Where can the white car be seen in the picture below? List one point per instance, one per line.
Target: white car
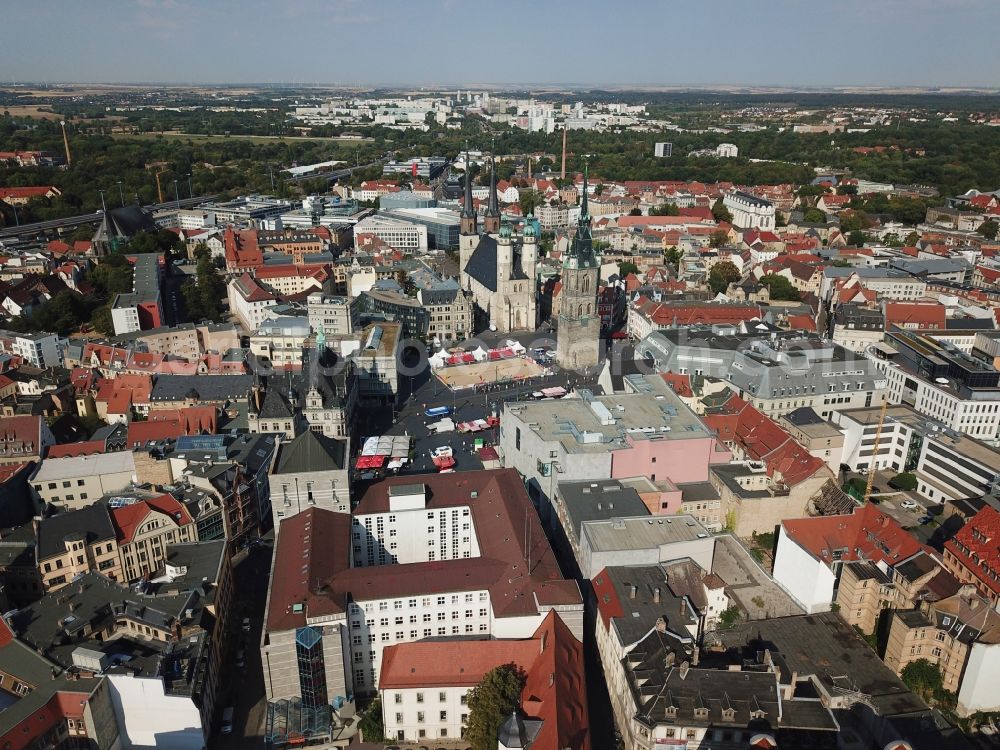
(442, 451)
(908, 505)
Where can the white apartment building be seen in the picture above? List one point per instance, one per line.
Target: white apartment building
(948, 464)
(77, 481)
(397, 233)
(454, 564)
(749, 211)
(332, 313)
(281, 340)
(249, 302)
(39, 349)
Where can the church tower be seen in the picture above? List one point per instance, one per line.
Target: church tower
(578, 341)
(491, 220)
(468, 229)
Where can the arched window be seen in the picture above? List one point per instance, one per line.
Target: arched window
(586, 283)
(579, 311)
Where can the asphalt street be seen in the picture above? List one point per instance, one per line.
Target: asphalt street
(243, 689)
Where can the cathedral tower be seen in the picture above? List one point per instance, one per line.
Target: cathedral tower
(578, 341)
(468, 226)
(491, 220)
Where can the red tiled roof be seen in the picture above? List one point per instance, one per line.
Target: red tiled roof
(915, 314)
(128, 518)
(762, 439)
(420, 664)
(24, 428)
(690, 313)
(865, 534)
(39, 191)
(680, 384)
(976, 547)
(85, 448)
(9, 471)
(498, 512)
(802, 322)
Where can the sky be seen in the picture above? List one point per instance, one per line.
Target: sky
(794, 43)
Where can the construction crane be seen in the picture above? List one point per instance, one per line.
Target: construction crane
(69, 160)
(159, 188)
(874, 465)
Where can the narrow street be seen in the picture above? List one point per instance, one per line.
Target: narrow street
(246, 686)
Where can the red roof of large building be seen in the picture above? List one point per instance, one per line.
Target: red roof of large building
(39, 191)
(927, 315)
(762, 439)
(128, 518)
(317, 573)
(242, 250)
(692, 313)
(865, 534)
(976, 547)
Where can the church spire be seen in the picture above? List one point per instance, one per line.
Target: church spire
(581, 251)
(468, 220)
(493, 209)
(468, 210)
(584, 215)
(491, 221)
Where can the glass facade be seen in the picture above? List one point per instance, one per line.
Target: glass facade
(312, 669)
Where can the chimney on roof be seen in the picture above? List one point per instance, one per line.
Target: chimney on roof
(685, 666)
(684, 606)
(632, 591)
(656, 595)
(661, 625)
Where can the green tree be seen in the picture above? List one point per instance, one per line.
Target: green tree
(718, 238)
(780, 287)
(530, 199)
(989, 229)
(720, 212)
(912, 239)
(729, 617)
(371, 724)
(635, 212)
(904, 481)
(491, 702)
(853, 221)
(722, 275)
(625, 268)
(857, 238)
(672, 257)
(665, 209)
(814, 216)
(923, 678)
(101, 320)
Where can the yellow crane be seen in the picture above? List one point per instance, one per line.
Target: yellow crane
(159, 188)
(874, 464)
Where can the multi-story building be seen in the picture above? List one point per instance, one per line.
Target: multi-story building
(886, 283)
(425, 696)
(772, 476)
(948, 465)
(24, 438)
(449, 313)
(456, 555)
(76, 481)
(75, 542)
(142, 308)
(817, 435)
(398, 233)
(442, 224)
(249, 301)
(287, 280)
(777, 374)
(973, 554)
(279, 340)
(961, 635)
(646, 315)
(648, 432)
(395, 306)
(929, 373)
(145, 528)
(857, 327)
(377, 360)
(311, 472)
(43, 350)
(332, 313)
(863, 562)
(749, 211)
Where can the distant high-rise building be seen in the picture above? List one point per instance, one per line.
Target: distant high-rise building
(663, 150)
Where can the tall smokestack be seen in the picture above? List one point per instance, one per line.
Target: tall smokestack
(65, 142)
(562, 173)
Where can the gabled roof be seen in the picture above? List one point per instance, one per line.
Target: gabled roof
(128, 518)
(866, 534)
(976, 546)
(309, 452)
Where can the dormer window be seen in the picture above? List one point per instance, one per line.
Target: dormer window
(728, 714)
(671, 712)
(701, 713)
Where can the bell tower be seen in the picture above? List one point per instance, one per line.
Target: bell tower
(491, 220)
(468, 225)
(578, 342)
